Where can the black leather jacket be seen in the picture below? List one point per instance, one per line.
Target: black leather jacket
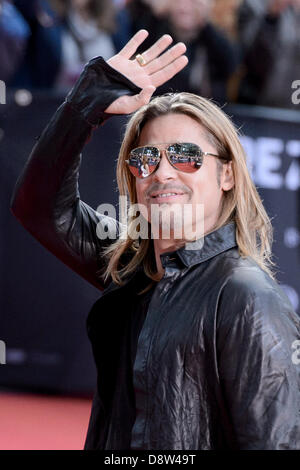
(214, 367)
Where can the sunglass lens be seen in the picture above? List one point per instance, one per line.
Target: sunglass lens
(185, 157)
(143, 161)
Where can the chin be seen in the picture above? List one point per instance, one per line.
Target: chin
(167, 221)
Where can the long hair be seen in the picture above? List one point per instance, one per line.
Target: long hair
(241, 204)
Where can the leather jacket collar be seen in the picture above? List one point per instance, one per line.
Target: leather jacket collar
(204, 248)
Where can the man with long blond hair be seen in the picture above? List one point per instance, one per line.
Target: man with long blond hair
(195, 343)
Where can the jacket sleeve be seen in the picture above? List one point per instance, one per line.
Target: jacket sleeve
(46, 198)
(258, 374)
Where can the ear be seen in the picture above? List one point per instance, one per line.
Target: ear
(227, 181)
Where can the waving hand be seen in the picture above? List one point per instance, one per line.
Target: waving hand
(159, 67)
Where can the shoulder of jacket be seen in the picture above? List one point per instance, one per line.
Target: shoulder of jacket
(253, 311)
(249, 292)
(242, 273)
(246, 275)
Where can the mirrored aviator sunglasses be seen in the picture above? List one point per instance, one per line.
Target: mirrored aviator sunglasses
(186, 157)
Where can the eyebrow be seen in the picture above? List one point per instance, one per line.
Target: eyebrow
(168, 143)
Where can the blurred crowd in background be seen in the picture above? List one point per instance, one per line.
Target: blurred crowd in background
(240, 51)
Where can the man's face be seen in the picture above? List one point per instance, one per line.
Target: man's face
(204, 187)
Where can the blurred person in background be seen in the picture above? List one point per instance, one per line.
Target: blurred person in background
(42, 58)
(14, 34)
(146, 12)
(224, 16)
(269, 33)
(123, 29)
(87, 32)
(212, 57)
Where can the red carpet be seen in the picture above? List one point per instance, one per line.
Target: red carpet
(39, 422)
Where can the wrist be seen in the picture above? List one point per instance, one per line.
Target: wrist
(97, 87)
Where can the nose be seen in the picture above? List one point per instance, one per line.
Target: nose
(165, 171)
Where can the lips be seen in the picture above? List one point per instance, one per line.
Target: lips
(169, 193)
(162, 194)
(166, 197)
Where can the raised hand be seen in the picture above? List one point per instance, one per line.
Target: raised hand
(159, 67)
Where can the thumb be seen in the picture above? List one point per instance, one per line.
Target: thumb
(144, 96)
(129, 104)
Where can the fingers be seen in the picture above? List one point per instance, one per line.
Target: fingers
(130, 48)
(157, 48)
(162, 76)
(166, 58)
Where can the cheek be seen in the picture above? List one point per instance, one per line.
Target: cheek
(205, 187)
(141, 187)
